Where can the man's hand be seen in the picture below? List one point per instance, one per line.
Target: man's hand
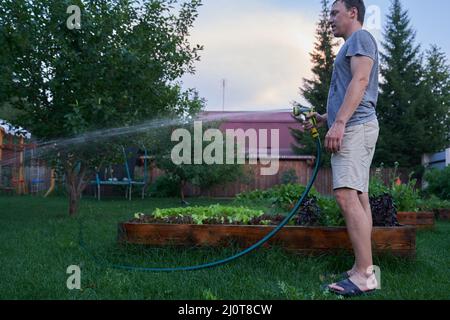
(321, 120)
(334, 137)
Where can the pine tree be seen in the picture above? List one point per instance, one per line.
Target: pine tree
(315, 90)
(400, 104)
(437, 79)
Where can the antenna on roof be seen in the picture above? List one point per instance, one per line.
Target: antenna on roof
(224, 83)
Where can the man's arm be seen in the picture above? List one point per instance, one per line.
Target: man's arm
(361, 67)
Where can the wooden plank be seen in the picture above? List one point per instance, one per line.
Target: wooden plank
(422, 220)
(400, 241)
(425, 219)
(443, 214)
(407, 218)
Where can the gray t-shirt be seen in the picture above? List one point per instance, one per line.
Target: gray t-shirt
(360, 43)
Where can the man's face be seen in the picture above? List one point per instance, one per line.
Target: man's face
(341, 19)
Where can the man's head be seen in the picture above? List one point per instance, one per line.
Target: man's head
(345, 14)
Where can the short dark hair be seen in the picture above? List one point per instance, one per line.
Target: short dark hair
(358, 4)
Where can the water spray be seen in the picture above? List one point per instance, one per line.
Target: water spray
(301, 114)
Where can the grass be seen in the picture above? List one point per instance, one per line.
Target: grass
(38, 241)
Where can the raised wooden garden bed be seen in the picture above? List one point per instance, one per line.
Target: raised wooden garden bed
(422, 220)
(399, 241)
(443, 214)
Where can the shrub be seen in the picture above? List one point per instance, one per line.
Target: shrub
(289, 177)
(165, 186)
(433, 203)
(438, 183)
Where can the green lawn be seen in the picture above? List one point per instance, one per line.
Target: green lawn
(38, 241)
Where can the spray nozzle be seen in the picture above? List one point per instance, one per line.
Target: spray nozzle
(301, 112)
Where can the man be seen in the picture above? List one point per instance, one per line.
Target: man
(352, 136)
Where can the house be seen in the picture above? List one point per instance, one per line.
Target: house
(280, 120)
(288, 162)
(12, 148)
(439, 160)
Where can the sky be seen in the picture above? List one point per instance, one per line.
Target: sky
(261, 47)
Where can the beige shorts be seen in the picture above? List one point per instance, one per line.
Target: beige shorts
(351, 165)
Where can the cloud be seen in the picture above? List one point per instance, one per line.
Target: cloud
(260, 49)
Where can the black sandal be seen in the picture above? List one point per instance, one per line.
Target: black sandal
(350, 289)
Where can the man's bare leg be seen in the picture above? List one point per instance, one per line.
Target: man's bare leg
(365, 202)
(356, 211)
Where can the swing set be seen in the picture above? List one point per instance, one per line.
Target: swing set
(114, 176)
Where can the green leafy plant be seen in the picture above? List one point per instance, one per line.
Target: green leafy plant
(377, 187)
(330, 212)
(406, 197)
(200, 215)
(282, 197)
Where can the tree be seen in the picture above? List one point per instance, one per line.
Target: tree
(316, 90)
(121, 67)
(437, 80)
(204, 175)
(401, 108)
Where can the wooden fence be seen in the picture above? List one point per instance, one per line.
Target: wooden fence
(38, 179)
(324, 181)
(303, 171)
